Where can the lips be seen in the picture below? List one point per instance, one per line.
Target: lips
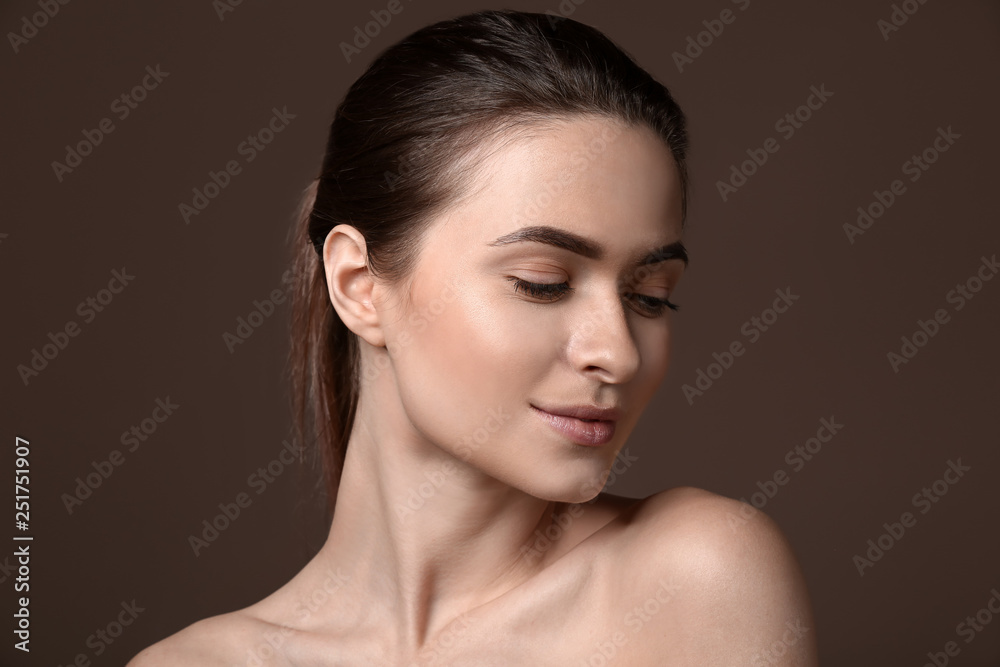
(584, 412)
(584, 430)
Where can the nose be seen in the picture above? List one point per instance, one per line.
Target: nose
(601, 341)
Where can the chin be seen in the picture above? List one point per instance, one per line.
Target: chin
(569, 487)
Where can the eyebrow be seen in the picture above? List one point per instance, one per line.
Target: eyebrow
(561, 238)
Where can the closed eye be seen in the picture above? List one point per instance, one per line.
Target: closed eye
(652, 306)
(541, 290)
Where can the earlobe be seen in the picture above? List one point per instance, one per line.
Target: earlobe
(350, 284)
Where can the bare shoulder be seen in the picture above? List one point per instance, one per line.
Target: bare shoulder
(218, 640)
(727, 572)
(688, 517)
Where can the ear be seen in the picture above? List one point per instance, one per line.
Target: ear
(351, 285)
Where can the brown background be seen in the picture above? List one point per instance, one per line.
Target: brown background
(825, 357)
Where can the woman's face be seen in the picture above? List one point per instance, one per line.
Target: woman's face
(475, 354)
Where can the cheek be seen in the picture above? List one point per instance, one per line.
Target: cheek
(654, 345)
(654, 348)
(464, 362)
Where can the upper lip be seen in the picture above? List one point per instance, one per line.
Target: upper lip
(585, 412)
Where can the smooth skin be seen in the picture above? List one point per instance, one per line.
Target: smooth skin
(468, 531)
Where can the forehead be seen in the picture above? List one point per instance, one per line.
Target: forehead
(616, 184)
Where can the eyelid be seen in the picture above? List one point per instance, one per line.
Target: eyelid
(552, 292)
(545, 291)
(671, 272)
(547, 272)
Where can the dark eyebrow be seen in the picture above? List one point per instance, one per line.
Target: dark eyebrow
(580, 245)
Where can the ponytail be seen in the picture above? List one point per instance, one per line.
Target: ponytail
(323, 358)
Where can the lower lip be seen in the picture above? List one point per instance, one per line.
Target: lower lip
(588, 434)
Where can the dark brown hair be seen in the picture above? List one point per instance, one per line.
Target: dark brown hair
(399, 152)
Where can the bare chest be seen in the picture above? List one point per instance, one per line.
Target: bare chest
(574, 619)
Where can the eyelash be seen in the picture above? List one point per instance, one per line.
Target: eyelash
(552, 291)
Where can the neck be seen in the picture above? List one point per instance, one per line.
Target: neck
(422, 536)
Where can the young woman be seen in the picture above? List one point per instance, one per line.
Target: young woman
(486, 263)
